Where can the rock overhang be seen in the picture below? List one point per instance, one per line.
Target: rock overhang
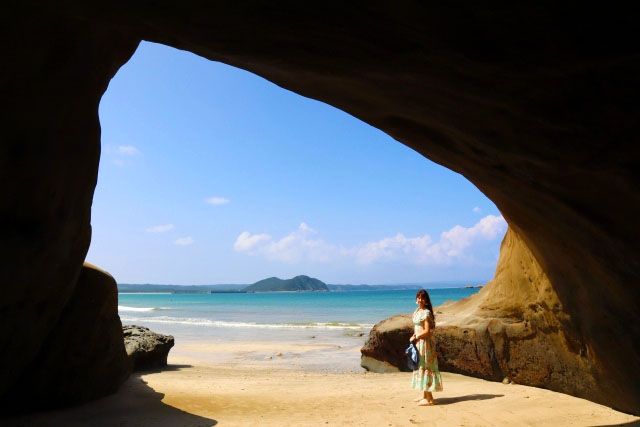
(534, 106)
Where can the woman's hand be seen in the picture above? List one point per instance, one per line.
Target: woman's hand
(413, 338)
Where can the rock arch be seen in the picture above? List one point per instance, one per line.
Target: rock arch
(535, 105)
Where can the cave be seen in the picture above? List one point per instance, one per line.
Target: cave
(535, 105)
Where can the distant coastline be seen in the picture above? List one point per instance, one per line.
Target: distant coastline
(149, 288)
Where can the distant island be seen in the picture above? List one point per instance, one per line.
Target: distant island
(274, 284)
(298, 283)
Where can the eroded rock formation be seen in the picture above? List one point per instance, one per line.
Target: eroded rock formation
(534, 105)
(513, 328)
(516, 327)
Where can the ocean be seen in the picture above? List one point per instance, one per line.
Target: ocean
(318, 331)
(208, 314)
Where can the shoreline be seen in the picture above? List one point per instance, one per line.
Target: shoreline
(207, 383)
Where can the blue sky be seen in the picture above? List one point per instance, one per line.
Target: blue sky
(210, 174)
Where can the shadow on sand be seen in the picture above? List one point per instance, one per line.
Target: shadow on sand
(629, 424)
(451, 400)
(170, 367)
(135, 404)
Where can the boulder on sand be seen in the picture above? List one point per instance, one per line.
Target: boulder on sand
(83, 357)
(384, 349)
(145, 348)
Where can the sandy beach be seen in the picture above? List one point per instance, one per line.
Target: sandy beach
(209, 384)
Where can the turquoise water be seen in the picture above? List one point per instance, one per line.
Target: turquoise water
(348, 310)
(319, 331)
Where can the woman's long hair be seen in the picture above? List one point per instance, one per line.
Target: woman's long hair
(428, 306)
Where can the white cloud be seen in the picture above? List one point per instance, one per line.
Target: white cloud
(455, 245)
(299, 245)
(393, 248)
(162, 228)
(127, 150)
(246, 241)
(304, 228)
(184, 241)
(216, 201)
(477, 209)
(294, 247)
(120, 155)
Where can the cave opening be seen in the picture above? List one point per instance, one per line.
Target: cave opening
(534, 106)
(210, 175)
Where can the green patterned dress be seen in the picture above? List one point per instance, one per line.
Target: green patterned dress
(423, 379)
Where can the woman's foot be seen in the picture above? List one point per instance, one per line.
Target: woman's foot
(418, 399)
(425, 402)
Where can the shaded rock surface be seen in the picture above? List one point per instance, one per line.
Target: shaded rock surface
(48, 169)
(536, 105)
(145, 348)
(84, 356)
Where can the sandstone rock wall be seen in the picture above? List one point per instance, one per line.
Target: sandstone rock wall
(516, 327)
(513, 328)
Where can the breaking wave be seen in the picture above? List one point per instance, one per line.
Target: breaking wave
(226, 324)
(124, 308)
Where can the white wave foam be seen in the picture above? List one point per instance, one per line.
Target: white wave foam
(145, 293)
(136, 309)
(225, 324)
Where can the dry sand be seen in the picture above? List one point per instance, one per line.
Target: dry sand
(197, 391)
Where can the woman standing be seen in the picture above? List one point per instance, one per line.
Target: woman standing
(427, 376)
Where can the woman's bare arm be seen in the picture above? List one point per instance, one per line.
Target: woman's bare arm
(426, 329)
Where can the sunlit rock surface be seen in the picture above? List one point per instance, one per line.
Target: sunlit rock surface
(516, 328)
(511, 329)
(536, 106)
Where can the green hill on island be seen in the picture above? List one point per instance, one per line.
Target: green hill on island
(298, 283)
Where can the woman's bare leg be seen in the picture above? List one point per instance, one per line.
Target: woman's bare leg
(429, 396)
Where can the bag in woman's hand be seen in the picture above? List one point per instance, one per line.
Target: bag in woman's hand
(412, 356)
